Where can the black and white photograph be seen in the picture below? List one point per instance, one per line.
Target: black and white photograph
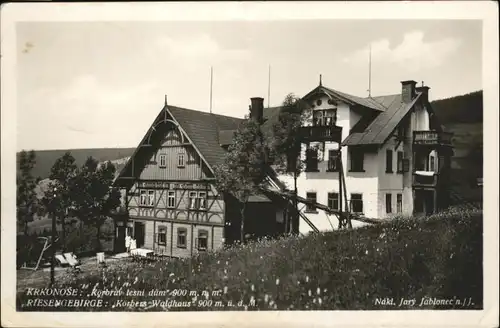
(250, 164)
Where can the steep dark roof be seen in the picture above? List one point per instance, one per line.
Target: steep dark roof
(203, 129)
(383, 125)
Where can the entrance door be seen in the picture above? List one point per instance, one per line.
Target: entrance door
(120, 239)
(139, 233)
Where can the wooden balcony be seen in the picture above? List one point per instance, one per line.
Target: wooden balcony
(425, 181)
(321, 133)
(432, 138)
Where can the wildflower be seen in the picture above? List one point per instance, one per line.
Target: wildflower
(225, 289)
(318, 291)
(309, 292)
(320, 300)
(278, 281)
(252, 288)
(239, 273)
(171, 275)
(266, 298)
(307, 278)
(366, 252)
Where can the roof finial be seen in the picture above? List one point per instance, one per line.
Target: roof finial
(165, 99)
(320, 82)
(422, 83)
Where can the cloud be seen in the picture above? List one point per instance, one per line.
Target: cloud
(413, 53)
(195, 48)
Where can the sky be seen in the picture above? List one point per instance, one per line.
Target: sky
(101, 84)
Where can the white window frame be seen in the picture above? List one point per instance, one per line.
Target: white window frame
(205, 236)
(143, 200)
(181, 160)
(147, 198)
(193, 199)
(151, 198)
(202, 196)
(162, 230)
(163, 160)
(171, 197)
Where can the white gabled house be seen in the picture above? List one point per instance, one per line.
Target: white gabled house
(395, 156)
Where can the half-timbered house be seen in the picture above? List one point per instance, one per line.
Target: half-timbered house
(172, 205)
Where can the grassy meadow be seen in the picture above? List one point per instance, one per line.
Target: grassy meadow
(437, 257)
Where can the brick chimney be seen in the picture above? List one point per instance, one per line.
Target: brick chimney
(257, 109)
(424, 90)
(408, 91)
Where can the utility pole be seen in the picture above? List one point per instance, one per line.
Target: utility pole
(54, 233)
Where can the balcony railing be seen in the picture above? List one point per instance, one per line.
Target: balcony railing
(321, 133)
(421, 180)
(432, 138)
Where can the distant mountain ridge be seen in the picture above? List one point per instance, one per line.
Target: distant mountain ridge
(45, 159)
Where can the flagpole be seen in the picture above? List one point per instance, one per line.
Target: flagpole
(269, 87)
(211, 86)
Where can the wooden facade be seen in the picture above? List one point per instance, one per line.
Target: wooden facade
(172, 205)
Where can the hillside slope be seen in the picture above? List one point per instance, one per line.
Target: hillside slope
(46, 158)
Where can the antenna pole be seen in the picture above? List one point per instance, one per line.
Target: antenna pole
(211, 85)
(370, 73)
(269, 87)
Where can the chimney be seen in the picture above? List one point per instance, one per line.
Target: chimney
(408, 91)
(424, 90)
(257, 109)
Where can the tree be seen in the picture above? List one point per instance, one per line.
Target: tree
(27, 202)
(95, 197)
(244, 166)
(286, 143)
(59, 196)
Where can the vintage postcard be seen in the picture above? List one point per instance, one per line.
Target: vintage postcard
(250, 164)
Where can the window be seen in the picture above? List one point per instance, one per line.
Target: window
(333, 200)
(163, 160)
(171, 199)
(192, 200)
(388, 161)
(311, 197)
(357, 159)
(202, 240)
(400, 162)
(330, 117)
(202, 200)
(318, 118)
(431, 163)
(399, 203)
(147, 198)
(144, 198)
(162, 236)
(181, 237)
(388, 203)
(181, 160)
(324, 117)
(311, 160)
(151, 197)
(357, 203)
(333, 160)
